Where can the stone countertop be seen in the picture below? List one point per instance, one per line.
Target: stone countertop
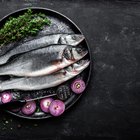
(110, 109)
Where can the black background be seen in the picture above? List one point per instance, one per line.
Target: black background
(110, 108)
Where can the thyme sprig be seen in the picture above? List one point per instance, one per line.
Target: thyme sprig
(24, 25)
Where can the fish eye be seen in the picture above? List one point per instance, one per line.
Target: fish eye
(73, 37)
(79, 50)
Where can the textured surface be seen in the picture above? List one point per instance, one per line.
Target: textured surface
(110, 108)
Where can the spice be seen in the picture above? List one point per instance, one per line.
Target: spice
(19, 126)
(35, 125)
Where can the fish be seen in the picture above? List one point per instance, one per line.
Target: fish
(69, 39)
(47, 81)
(43, 61)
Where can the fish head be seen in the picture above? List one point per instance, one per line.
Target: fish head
(72, 39)
(74, 53)
(78, 67)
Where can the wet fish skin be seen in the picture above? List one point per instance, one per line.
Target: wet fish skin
(69, 39)
(43, 61)
(6, 48)
(43, 82)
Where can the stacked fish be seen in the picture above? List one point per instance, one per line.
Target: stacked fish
(43, 63)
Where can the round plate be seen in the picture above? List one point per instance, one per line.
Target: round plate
(59, 24)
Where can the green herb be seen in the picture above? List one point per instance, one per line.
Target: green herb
(38, 110)
(6, 122)
(27, 24)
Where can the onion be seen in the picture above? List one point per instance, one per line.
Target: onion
(29, 108)
(78, 86)
(57, 107)
(45, 104)
(6, 97)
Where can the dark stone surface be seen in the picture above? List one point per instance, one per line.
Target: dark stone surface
(110, 109)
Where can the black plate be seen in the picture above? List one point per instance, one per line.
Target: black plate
(62, 24)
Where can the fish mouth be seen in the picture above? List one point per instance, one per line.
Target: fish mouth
(78, 67)
(81, 65)
(71, 39)
(84, 53)
(76, 39)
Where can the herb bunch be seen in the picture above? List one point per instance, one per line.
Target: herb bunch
(22, 26)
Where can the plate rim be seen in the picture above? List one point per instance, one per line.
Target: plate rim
(89, 51)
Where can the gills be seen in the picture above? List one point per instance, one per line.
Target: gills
(69, 39)
(43, 61)
(43, 82)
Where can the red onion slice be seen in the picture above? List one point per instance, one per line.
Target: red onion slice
(6, 97)
(45, 104)
(57, 108)
(29, 108)
(78, 86)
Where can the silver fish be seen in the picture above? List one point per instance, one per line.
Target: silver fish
(43, 61)
(69, 39)
(47, 81)
(5, 48)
